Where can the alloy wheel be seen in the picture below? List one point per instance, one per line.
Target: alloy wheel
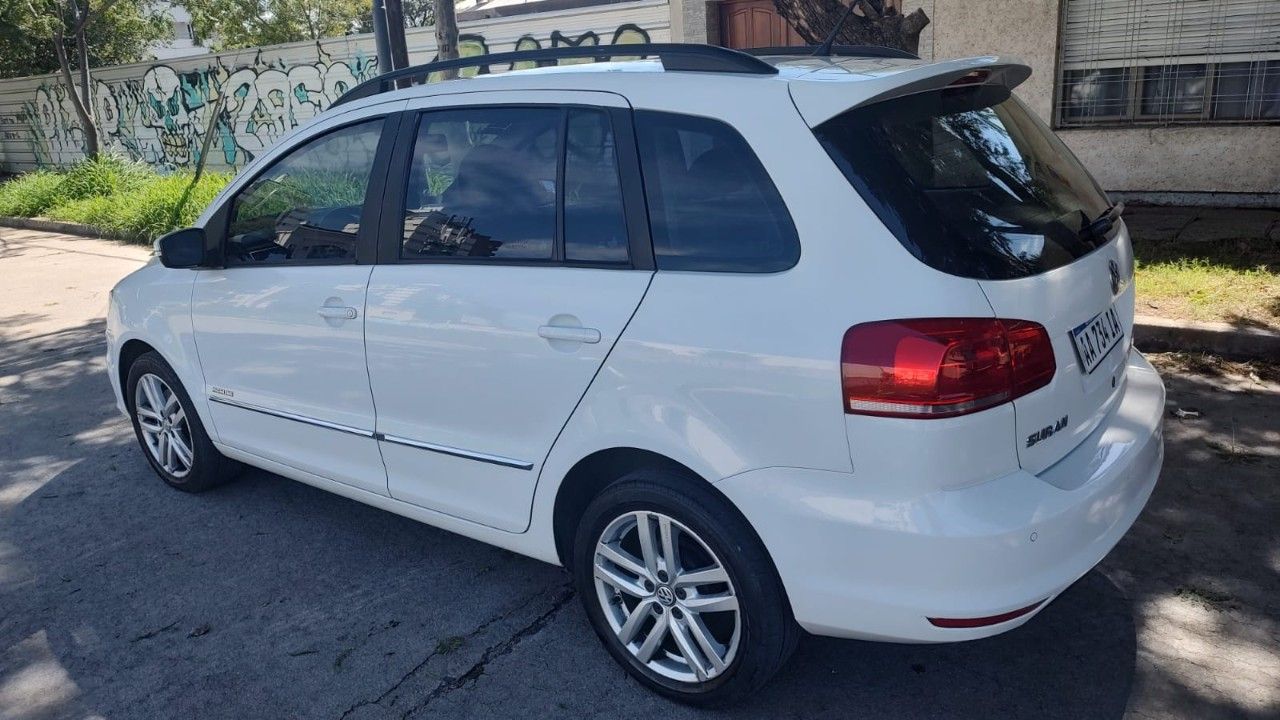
(163, 422)
(667, 597)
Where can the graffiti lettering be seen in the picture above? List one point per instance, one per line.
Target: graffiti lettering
(161, 117)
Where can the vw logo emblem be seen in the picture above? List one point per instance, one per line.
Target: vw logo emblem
(665, 596)
(1114, 267)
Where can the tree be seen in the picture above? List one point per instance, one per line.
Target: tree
(230, 24)
(873, 22)
(119, 33)
(67, 23)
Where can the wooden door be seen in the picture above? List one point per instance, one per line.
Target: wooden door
(754, 23)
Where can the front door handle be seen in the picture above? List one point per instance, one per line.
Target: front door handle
(332, 312)
(571, 334)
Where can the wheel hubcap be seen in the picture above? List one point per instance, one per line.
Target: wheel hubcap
(164, 426)
(667, 597)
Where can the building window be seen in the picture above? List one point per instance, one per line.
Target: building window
(1132, 62)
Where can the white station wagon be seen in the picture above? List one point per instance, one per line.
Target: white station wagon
(751, 344)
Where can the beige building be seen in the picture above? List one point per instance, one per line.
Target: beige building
(1165, 100)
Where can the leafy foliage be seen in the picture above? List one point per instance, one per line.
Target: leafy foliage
(231, 24)
(227, 24)
(122, 34)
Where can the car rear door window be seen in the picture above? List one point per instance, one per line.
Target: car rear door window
(483, 184)
(712, 206)
(595, 227)
(306, 207)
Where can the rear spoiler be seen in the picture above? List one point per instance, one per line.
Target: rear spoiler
(826, 92)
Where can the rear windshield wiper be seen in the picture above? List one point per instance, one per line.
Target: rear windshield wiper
(1101, 225)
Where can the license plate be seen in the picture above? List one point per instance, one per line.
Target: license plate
(1094, 339)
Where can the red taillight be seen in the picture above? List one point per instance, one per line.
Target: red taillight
(942, 367)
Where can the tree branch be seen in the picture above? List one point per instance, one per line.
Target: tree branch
(84, 19)
(869, 11)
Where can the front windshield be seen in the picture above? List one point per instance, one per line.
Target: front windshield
(969, 181)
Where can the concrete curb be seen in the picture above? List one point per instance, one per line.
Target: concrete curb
(1230, 341)
(57, 226)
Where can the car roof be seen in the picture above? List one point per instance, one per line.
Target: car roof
(821, 86)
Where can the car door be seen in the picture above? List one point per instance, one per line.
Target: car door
(509, 264)
(280, 327)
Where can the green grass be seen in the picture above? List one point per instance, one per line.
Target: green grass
(147, 210)
(30, 195)
(107, 175)
(1234, 281)
(120, 198)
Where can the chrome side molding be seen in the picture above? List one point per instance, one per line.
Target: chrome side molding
(458, 452)
(223, 400)
(394, 439)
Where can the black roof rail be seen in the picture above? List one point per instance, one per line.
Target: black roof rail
(674, 56)
(841, 50)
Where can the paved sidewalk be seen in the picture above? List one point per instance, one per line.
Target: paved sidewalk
(120, 598)
(57, 282)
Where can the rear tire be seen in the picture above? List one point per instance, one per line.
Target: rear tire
(169, 430)
(721, 614)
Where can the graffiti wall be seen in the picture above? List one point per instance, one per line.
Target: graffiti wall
(160, 113)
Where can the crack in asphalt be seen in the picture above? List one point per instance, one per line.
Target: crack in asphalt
(493, 652)
(537, 624)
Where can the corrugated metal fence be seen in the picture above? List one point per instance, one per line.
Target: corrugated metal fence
(159, 112)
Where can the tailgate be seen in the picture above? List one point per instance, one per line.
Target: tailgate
(1053, 420)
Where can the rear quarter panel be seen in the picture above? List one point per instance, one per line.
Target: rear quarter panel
(728, 372)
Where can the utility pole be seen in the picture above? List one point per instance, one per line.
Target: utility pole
(446, 34)
(380, 37)
(395, 34)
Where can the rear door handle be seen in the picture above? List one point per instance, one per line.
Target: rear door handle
(332, 312)
(571, 334)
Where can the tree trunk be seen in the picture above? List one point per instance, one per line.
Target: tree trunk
(446, 35)
(92, 148)
(87, 125)
(873, 22)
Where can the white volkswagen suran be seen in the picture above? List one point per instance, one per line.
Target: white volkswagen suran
(752, 344)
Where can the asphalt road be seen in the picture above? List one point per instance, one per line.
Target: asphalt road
(120, 598)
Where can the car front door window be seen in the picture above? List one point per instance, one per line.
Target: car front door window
(306, 207)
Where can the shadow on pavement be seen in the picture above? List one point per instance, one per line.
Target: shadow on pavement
(266, 598)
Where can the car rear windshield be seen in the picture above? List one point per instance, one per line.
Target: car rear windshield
(969, 181)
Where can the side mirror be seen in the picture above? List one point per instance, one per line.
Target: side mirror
(182, 248)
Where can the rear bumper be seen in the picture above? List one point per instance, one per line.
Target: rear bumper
(858, 561)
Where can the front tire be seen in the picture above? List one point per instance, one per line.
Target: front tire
(169, 431)
(680, 589)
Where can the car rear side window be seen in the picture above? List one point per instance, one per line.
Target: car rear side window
(712, 206)
(969, 181)
(306, 207)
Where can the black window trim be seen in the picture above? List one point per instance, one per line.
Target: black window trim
(217, 230)
(640, 247)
